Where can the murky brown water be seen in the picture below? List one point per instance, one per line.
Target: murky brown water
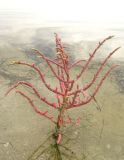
(100, 135)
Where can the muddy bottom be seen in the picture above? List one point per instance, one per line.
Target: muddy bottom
(100, 136)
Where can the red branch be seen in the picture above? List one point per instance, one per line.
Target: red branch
(41, 76)
(52, 69)
(92, 56)
(100, 69)
(95, 92)
(46, 58)
(96, 74)
(76, 63)
(45, 114)
(35, 91)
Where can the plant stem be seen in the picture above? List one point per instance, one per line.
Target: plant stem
(56, 145)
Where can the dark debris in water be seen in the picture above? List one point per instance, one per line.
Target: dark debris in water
(119, 77)
(13, 73)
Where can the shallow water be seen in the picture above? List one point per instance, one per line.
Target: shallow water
(100, 135)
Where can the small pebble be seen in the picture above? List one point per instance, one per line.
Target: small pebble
(6, 144)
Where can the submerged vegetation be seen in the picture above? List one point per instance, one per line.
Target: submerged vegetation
(68, 94)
